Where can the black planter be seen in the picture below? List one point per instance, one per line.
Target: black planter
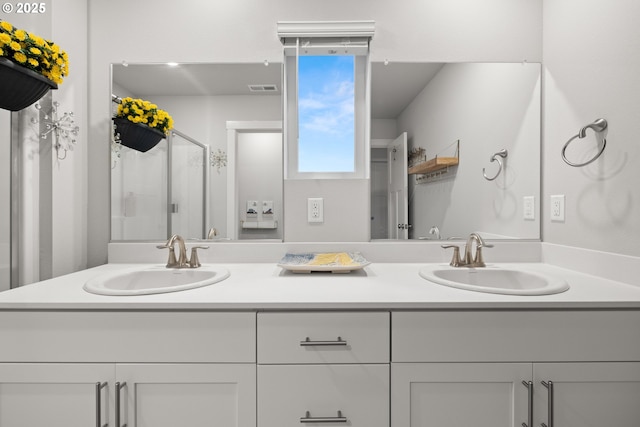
(20, 86)
(137, 135)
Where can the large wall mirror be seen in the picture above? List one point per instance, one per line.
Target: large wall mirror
(181, 185)
(468, 111)
(452, 120)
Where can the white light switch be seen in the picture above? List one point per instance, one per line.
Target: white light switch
(557, 208)
(529, 207)
(315, 210)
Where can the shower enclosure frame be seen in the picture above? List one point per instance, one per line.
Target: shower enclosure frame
(205, 176)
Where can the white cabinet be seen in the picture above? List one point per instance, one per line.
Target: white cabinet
(353, 395)
(459, 394)
(195, 395)
(323, 368)
(587, 394)
(323, 337)
(594, 380)
(174, 368)
(55, 395)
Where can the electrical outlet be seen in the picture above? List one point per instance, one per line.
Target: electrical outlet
(557, 208)
(315, 210)
(529, 207)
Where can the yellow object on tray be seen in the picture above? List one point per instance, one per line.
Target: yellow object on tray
(336, 258)
(334, 262)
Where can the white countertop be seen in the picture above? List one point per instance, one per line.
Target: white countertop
(265, 286)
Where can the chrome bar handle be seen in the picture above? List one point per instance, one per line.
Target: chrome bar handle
(529, 386)
(549, 386)
(309, 419)
(119, 387)
(307, 342)
(99, 387)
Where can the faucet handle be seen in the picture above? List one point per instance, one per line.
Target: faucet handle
(172, 262)
(478, 261)
(194, 262)
(455, 260)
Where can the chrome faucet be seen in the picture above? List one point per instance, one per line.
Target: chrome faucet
(469, 260)
(182, 261)
(435, 231)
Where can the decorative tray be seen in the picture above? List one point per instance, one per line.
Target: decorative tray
(335, 262)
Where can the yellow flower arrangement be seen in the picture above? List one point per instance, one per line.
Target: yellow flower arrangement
(33, 52)
(140, 111)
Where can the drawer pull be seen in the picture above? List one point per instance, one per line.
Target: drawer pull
(529, 386)
(549, 386)
(119, 387)
(309, 419)
(308, 342)
(99, 387)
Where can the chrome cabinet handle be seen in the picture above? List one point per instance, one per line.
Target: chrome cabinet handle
(308, 342)
(549, 386)
(309, 419)
(99, 387)
(119, 387)
(529, 386)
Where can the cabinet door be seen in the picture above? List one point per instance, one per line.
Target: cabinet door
(54, 395)
(587, 394)
(299, 395)
(459, 394)
(194, 395)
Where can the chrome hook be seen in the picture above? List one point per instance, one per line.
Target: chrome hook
(496, 158)
(598, 126)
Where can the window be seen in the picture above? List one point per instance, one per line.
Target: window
(326, 99)
(326, 114)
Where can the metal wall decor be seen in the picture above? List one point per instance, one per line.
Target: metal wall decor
(218, 159)
(62, 128)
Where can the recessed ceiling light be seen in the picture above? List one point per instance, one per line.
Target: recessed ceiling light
(172, 64)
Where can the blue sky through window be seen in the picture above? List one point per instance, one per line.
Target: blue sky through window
(326, 123)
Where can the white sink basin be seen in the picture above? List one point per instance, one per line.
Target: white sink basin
(155, 280)
(495, 279)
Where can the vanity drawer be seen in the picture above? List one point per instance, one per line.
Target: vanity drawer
(291, 396)
(516, 336)
(330, 337)
(127, 336)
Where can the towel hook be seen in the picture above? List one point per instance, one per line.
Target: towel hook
(598, 126)
(496, 158)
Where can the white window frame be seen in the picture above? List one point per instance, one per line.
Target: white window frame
(321, 38)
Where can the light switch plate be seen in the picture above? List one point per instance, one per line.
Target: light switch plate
(557, 208)
(529, 207)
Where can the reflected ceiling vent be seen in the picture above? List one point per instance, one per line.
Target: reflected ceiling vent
(263, 88)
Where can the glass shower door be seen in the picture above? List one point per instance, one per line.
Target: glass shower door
(188, 187)
(139, 193)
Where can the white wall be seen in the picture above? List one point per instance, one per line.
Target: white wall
(592, 64)
(70, 176)
(488, 107)
(406, 30)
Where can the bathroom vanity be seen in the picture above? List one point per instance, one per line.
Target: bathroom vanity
(378, 347)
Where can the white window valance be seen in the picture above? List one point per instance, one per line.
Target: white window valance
(326, 37)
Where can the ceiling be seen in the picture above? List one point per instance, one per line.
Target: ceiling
(393, 86)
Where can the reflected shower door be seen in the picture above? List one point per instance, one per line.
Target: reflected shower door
(188, 165)
(139, 193)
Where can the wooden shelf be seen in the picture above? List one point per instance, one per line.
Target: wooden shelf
(433, 165)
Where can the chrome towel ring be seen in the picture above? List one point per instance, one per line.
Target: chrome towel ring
(496, 158)
(599, 126)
